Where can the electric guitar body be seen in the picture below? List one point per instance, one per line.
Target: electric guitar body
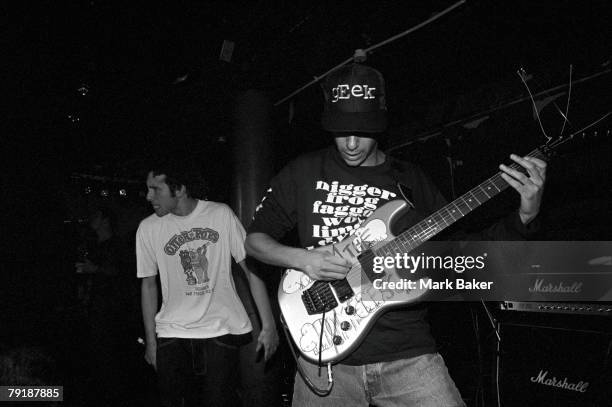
(349, 306)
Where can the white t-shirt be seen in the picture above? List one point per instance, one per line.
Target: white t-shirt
(192, 254)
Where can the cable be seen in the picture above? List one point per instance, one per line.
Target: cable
(496, 328)
(497, 360)
(321, 340)
(491, 320)
(359, 53)
(436, 132)
(300, 369)
(416, 27)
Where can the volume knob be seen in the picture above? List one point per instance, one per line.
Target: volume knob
(337, 340)
(350, 310)
(345, 325)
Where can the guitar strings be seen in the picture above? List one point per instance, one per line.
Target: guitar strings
(521, 74)
(356, 271)
(554, 103)
(569, 95)
(419, 237)
(427, 231)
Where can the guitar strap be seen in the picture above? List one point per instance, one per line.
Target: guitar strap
(397, 173)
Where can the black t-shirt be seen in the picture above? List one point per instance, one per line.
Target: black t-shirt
(327, 200)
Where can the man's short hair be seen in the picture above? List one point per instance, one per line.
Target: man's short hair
(181, 173)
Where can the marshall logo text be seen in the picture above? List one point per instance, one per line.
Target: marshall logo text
(541, 287)
(562, 384)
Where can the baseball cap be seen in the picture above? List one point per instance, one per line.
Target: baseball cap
(354, 100)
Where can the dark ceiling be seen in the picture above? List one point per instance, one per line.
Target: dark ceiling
(111, 81)
(97, 86)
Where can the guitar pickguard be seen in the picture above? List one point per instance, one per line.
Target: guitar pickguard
(294, 281)
(371, 233)
(349, 306)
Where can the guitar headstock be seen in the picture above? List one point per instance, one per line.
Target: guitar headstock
(552, 146)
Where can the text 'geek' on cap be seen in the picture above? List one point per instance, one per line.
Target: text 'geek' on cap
(354, 100)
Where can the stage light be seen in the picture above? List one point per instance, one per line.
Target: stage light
(83, 90)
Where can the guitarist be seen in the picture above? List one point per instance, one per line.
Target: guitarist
(331, 191)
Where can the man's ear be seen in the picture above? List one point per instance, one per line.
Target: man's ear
(181, 192)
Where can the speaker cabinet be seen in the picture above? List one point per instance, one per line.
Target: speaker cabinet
(556, 366)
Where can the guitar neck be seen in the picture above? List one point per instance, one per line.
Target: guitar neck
(449, 214)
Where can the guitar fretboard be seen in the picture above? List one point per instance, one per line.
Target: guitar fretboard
(449, 214)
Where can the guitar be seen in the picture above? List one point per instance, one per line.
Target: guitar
(345, 310)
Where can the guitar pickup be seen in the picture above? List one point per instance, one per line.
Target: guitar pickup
(343, 289)
(319, 298)
(366, 260)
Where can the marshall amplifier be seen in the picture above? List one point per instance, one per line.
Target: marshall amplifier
(559, 364)
(596, 309)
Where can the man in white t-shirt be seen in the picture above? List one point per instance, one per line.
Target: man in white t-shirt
(193, 340)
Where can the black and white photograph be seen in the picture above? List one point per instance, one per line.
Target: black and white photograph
(344, 203)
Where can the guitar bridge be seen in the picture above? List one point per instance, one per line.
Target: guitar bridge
(319, 298)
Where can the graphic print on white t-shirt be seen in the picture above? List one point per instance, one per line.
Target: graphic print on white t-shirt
(194, 261)
(195, 265)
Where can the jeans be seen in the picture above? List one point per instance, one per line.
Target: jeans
(197, 372)
(422, 381)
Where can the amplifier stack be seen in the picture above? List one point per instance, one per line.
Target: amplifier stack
(554, 354)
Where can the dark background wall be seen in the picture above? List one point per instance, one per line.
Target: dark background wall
(96, 88)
